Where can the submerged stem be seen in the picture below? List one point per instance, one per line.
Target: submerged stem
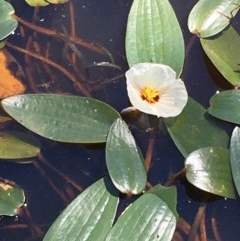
(149, 153)
(175, 177)
(80, 87)
(197, 221)
(54, 33)
(61, 174)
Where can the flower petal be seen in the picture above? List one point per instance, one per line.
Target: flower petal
(154, 75)
(172, 92)
(172, 101)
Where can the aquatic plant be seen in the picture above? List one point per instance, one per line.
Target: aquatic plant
(154, 42)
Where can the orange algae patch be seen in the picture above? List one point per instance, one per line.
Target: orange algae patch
(10, 83)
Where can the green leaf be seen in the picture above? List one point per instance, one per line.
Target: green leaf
(124, 161)
(225, 106)
(7, 23)
(208, 18)
(224, 52)
(58, 1)
(42, 3)
(18, 145)
(88, 217)
(35, 3)
(154, 35)
(11, 198)
(147, 219)
(235, 157)
(194, 129)
(209, 169)
(61, 117)
(168, 195)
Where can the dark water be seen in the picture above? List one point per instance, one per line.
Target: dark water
(104, 22)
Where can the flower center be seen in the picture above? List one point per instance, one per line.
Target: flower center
(149, 94)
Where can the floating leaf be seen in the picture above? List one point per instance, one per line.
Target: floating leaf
(11, 198)
(10, 83)
(209, 169)
(154, 35)
(224, 52)
(208, 18)
(235, 157)
(124, 161)
(225, 106)
(18, 145)
(88, 217)
(42, 3)
(61, 117)
(57, 1)
(168, 195)
(7, 23)
(35, 3)
(147, 219)
(194, 129)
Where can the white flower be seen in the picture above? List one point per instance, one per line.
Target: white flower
(154, 89)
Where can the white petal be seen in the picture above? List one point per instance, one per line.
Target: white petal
(154, 75)
(173, 100)
(173, 94)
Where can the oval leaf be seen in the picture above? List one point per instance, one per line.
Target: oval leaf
(147, 219)
(7, 23)
(88, 217)
(224, 52)
(154, 35)
(42, 3)
(209, 169)
(11, 198)
(36, 3)
(235, 157)
(61, 117)
(18, 145)
(190, 130)
(208, 18)
(124, 161)
(57, 1)
(225, 106)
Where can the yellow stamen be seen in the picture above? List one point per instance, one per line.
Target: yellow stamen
(150, 95)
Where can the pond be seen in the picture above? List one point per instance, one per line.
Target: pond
(93, 63)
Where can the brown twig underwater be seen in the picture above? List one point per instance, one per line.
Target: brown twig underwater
(92, 46)
(61, 174)
(149, 152)
(79, 86)
(203, 231)
(185, 227)
(72, 27)
(34, 227)
(51, 183)
(173, 178)
(75, 70)
(196, 224)
(216, 233)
